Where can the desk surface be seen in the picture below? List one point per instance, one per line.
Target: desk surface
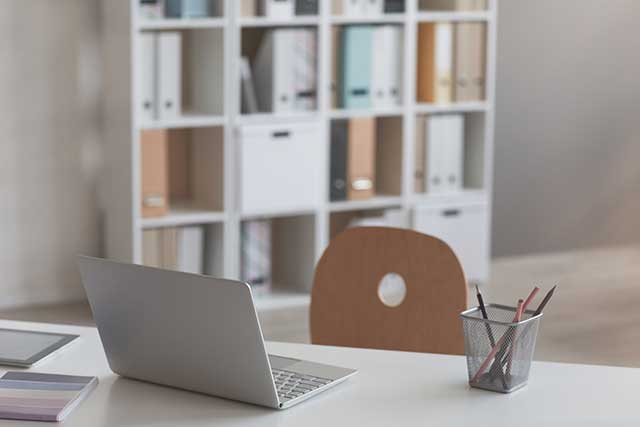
(391, 389)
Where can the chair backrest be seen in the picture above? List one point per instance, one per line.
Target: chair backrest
(346, 308)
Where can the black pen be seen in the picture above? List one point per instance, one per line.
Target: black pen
(544, 302)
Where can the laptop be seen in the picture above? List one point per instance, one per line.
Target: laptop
(196, 333)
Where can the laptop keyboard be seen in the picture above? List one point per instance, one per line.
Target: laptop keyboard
(291, 385)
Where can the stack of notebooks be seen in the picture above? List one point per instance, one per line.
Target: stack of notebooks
(368, 66)
(42, 397)
(256, 255)
(451, 62)
(175, 248)
(284, 74)
(439, 153)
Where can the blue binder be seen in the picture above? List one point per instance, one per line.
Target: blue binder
(355, 66)
(187, 8)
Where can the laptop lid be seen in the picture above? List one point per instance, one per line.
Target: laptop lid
(178, 329)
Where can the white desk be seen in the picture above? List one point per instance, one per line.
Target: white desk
(391, 389)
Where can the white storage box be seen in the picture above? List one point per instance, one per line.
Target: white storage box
(280, 167)
(464, 227)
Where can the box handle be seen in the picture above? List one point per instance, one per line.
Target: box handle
(281, 134)
(451, 212)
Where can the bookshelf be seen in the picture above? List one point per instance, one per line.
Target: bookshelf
(300, 234)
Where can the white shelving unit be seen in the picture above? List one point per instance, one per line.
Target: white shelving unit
(293, 275)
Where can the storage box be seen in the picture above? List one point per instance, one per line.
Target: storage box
(280, 167)
(464, 227)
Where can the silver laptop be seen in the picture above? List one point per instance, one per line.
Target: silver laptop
(196, 333)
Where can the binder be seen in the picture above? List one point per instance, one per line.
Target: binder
(434, 141)
(190, 244)
(151, 9)
(272, 72)
(453, 151)
(470, 65)
(373, 8)
(151, 248)
(419, 167)
(154, 176)
(361, 157)
(353, 8)
(480, 5)
(335, 64)
(445, 152)
(248, 8)
(306, 7)
(338, 159)
(169, 75)
(387, 66)
(279, 9)
(256, 255)
(355, 63)
(465, 4)
(169, 242)
(147, 78)
(394, 6)
(304, 69)
(435, 45)
(187, 8)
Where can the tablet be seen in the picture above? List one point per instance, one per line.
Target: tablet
(26, 348)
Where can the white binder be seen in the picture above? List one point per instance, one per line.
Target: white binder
(444, 62)
(304, 69)
(190, 249)
(453, 151)
(373, 8)
(146, 77)
(272, 72)
(169, 75)
(353, 8)
(386, 73)
(279, 9)
(434, 135)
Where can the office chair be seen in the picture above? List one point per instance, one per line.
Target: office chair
(347, 307)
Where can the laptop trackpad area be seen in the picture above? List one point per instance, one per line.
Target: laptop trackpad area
(279, 362)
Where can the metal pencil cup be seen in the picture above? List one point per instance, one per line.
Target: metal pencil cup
(499, 351)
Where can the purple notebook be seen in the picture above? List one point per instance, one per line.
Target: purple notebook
(41, 397)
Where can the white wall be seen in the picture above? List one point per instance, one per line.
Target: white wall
(49, 127)
(567, 164)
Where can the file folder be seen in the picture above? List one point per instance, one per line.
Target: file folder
(306, 7)
(356, 65)
(147, 77)
(394, 6)
(388, 143)
(338, 159)
(272, 72)
(387, 66)
(169, 75)
(435, 45)
(187, 8)
(304, 69)
(190, 245)
(248, 8)
(352, 8)
(278, 9)
(453, 151)
(361, 157)
(435, 156)
(256, 255)
(154, 176)
(470, 64)
(373, 8)
(419, 167)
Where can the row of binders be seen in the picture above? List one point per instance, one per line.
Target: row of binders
(439, 161)
(155, 9)
(176, 248)
(278, 9)
(460, 5)
(451, 62)
(367, 8)
(284, 76)
(368, 66)
(365, 156)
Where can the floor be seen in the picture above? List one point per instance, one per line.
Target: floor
(593, 318)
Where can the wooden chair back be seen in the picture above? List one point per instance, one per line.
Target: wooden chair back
(346, 309)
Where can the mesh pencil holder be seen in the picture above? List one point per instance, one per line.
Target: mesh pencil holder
(499, 351)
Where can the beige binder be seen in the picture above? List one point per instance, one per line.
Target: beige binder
(154, 176)
(469, 61)
(434, 57)
(248, 8)
(361, 158)
(420, 168)
(151, 248)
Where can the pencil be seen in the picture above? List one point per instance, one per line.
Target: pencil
(492, 340)
(545, 300)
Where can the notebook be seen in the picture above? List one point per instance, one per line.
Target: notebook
(42, 397)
